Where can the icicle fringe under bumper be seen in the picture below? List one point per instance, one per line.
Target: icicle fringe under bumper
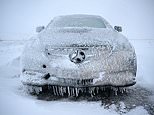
(68, 91)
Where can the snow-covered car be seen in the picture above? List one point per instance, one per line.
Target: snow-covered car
(76, 53)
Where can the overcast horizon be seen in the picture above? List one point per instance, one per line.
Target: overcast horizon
(23, 16)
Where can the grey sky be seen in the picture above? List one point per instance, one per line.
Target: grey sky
(22, 16)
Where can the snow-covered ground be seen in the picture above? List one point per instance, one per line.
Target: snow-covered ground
(14, 101)
(23, 16)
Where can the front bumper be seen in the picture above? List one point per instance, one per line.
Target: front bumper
(117, 79)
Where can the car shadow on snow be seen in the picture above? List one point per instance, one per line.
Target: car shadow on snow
(134, 97)
(121, 102)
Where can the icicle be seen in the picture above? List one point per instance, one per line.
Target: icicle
(97, 89)
(115, 91)
(94, 90)
(103, 88)
(86, 82)
(68, 91)
(61, 89)
(30, 89)
(64, 89)
(91, 81)
(121, 90)
(84, 90)
(111, 88)
(76, 92)
(126, 90)
(54, 90)
(58, 90)
(39, 89)
(80, 89)
(49, 87)
(36, 89)
(80, 82)
(91, 92)
(58, 87)
(73, 91)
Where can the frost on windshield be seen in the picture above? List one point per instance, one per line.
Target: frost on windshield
(78, 21)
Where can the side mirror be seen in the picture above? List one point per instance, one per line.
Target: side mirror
(118, 28)
(39, 28)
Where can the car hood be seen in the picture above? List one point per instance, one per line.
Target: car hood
(59, 37)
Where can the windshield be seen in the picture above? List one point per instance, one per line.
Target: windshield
(79, 21)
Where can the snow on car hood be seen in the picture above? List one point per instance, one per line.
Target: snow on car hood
(69, 36)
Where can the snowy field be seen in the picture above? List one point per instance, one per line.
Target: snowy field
(22, 16)
(14, 101)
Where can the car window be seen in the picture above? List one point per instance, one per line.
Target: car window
(80, 21)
